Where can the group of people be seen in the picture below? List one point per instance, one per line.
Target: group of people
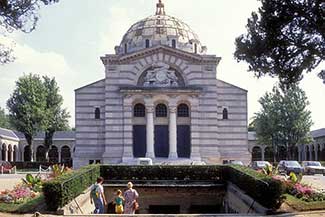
(124, 203)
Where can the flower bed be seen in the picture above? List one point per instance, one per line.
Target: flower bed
(28, 206)
(299, 196)
(303, 206)
(27, 195)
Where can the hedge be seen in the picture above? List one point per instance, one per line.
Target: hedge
(162, 172)
(60, 191)
(265, 190)
(30, 165)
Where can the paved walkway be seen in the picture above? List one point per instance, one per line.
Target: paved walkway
(8, 181)
(317, 181)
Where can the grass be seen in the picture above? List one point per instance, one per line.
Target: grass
(303, 206)
(27, 207)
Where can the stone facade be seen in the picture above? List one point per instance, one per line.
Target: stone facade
(166, 75)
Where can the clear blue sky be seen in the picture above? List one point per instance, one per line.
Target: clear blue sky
(73, 34)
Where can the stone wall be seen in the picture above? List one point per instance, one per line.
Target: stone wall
(90, 139)
(236, 201)
(232, 132)
(184, 199)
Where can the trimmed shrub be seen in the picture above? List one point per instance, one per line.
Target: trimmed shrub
(162, 172)
(60, 191)
(264, 189)
(30, 165)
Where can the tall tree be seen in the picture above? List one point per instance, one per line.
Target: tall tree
(284, 119)
(284, 39)
(4, 119)
(57, 117)
(27, 108)
(18, 15)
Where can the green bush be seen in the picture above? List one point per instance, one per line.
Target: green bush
(60, 191)
(163, 172)
(265, 190)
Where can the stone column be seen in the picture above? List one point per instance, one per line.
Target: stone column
(304, 152)
(127, 129)
(59, 153)
(172, 133)
(316, 151)
(263, 153)
(150, 133)
(11, 152)
(310, 153)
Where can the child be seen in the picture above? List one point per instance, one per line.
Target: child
(118, 201)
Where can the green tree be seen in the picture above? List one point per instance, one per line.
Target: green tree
(57, 117)
(284, 39)
(27, 107)
(284, 119)
(4, 119)
(18, 15)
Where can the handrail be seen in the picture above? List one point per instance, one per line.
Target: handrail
(76, 176)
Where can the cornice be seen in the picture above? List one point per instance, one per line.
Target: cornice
(111, 59)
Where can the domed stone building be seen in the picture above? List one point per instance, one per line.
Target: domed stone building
(160, 99)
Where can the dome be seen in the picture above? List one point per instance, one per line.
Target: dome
(160, 29)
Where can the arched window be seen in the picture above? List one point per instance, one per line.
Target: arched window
(225, 114)
(66, 155)
(139, 111)
(97, 113)
(54, 154)
(195, 48)
(256, 154)
(125, 48)
(27, 153)
(161, 111)
(183, 111)
(173, 43)
(15, 154)
(3, 152)
(147, 43)
(40, 154)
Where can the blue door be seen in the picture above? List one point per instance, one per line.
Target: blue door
(161, 141)
(184, 141)
(139, 141)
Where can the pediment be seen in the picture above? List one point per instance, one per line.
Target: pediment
(194, 58)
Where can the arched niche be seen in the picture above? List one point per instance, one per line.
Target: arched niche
(161, 75)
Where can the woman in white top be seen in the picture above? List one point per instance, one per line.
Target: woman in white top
(130, 197)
